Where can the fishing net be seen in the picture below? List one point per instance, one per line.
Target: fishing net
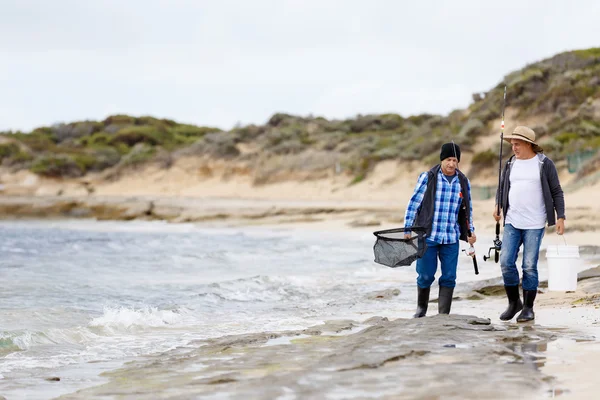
(393, 250)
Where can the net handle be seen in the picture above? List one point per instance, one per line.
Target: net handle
(417, 229)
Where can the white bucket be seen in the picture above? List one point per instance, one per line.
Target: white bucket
(563, 263)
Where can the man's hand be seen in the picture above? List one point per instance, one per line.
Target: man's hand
(406, 236)
(560, 226)
(472, 239)
(496, 215)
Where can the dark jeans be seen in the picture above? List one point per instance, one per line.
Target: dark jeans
(531, 239)
(427, 265)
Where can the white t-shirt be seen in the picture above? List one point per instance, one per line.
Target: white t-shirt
(526, 208)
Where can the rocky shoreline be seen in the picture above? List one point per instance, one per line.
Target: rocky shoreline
(428, 358)
(440, 356)
(182, 209)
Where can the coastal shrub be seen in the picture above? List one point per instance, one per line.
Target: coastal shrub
(119, 119)
(37, 141)
(100, 139)
(391, 121)
(565, 137)
(221, 145)
(156, 122)
(8, 150)
(278, 119)
(218, 145)
(365, 123)
(56, 166)
(588, 53)
(551, 146)
(419, 119)
(485, 158)
(141, 134)
(386, 153)
(139, 154)
(288, 147)
(472, 128)
(191, 131)
(63, 132)
(249, 132)
(105, 157)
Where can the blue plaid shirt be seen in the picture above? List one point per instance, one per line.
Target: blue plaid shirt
(445, 228)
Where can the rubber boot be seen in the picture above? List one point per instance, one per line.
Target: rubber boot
(527, 314)
(422, 302)
(445, 299)
(514, 303)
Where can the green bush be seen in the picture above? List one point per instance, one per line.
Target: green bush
(8, 150)
(588, 53)
(192, 131)
(100, 139)
(56, 166)
(141, 134)
(119, 119)
(565, 137)
(37, 141)
(485, 158)
(391, 121)
(138, 155)
(84, 161)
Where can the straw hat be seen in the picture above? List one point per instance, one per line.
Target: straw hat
(526, 134)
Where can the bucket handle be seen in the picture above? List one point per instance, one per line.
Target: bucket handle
(557, 247)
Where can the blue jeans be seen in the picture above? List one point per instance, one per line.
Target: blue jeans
(427, 265)
(531, 239)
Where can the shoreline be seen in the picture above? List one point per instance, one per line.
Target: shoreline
(564, 360)
(378, 214)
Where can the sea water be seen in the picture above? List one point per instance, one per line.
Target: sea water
(78, 298)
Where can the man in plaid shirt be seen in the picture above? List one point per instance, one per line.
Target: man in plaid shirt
(441, 203)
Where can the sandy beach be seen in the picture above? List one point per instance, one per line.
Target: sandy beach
(331, 204)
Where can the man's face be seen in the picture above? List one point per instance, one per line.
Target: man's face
(449, 166)
(520, 147)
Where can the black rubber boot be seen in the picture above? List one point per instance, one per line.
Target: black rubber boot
(422, 302)
(527, 314)
(514, 303)
(445, 299)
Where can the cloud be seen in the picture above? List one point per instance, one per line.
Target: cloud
(219, 63)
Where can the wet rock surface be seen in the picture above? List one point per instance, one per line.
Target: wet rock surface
(442, 356)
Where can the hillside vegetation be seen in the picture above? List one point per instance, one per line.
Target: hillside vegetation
(562, 94)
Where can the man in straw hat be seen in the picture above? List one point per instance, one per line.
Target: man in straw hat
(441, 203)
(530, 196)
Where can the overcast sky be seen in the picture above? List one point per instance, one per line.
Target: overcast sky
(224, 62)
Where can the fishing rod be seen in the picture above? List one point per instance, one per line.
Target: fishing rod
(497, 242)
(471, 251)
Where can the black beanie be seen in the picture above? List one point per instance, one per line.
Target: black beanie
(449, 151)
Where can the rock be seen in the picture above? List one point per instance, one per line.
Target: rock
(363, 223)
(376, 320)
(53, 379)
(138, 210)
(335, 326)
(481, 356)
(80, 212)
(165, 212)
(589, 273)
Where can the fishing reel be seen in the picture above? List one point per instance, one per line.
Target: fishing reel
(497, 247)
